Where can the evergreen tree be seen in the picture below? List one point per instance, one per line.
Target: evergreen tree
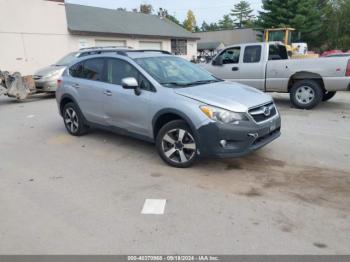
(213, 27)
(242, 14)
(304, 16)
(226, 22)
(336, 20)
(204, 26)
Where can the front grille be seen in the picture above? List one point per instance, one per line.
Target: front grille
(263, 113)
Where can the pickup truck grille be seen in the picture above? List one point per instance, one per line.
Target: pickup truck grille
(263, 113)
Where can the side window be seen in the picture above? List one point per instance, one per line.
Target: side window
(277, 52)
(231, 55)
(76, 70)
(118, 69)
(94, 69)
(252, 54)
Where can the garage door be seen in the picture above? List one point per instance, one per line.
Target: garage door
(110, 43)
(150, 45)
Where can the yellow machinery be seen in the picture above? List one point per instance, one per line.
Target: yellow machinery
(284, 35)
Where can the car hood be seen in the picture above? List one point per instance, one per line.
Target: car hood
(48, 70)
(227, 95)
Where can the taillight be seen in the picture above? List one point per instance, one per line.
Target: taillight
(348, 69)
(59, 82)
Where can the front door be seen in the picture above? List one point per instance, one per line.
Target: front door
(252, 67)
(123, 108)
(228, 66)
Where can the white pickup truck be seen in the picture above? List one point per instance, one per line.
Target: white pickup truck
(266, 66)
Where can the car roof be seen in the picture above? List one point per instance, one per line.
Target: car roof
(96, 48)
(126, 53)
(133, 54)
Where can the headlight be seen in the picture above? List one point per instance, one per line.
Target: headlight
(222, 115)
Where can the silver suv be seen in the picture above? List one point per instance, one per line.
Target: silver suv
(155, 96)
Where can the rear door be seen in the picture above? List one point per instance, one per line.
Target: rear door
(252, 67)
(86, 80)
(277, 69)
(228, 69)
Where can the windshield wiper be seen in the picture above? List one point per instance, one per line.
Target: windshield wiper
(200, 82)
(174, 84)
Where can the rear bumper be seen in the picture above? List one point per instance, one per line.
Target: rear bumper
(46, 85)
(229, 141)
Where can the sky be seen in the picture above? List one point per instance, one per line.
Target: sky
(208, 10)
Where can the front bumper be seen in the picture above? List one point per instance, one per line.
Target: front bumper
(228, 141)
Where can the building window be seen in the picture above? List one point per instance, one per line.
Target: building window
(179, 46)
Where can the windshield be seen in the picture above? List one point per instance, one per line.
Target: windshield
(174, 71)
(67, 59)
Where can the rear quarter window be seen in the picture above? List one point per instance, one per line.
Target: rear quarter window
(278, 52)
(91, 69)
(76, 70)
(252, 54)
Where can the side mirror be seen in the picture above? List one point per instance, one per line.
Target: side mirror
(218, 61)
(131, 83)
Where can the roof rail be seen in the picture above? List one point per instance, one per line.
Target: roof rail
(150, 50)
(105, 47)
(126, 51)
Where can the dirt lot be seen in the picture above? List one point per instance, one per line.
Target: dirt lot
(61, 194)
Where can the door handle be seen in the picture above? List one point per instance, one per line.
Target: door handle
(235, 68)
(76, 85)
(108, 93)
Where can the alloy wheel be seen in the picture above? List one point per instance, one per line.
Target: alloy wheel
(71, 120)
(179, 145)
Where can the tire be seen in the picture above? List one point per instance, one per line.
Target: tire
(328, 95)
(306, 94)
(73, 120)
(172, 149)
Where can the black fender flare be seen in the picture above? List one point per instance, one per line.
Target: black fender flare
(70, 97)
(179, 113)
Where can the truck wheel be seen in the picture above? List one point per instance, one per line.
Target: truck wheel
(306, 94)
(328, 95)
(176, 144)
(73, 120)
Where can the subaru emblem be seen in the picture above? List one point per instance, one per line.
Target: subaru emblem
(266, 110)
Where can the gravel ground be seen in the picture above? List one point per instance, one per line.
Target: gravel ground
(84, 195)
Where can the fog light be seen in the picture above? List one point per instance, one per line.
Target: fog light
(223, 143)
(254, 135)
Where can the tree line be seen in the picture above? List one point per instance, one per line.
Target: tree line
(323, 24)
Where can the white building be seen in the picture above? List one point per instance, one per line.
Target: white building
(36, 33)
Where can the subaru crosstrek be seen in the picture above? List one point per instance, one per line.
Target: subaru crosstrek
(155, 96)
